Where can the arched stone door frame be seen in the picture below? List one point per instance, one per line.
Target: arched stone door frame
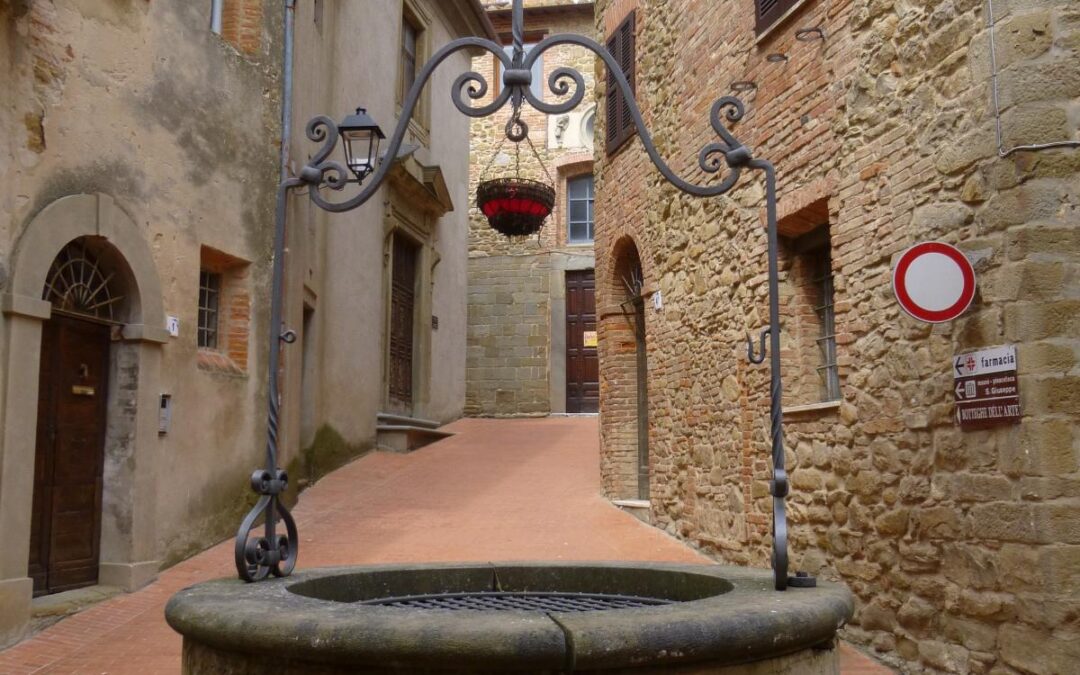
(128, 550)
(624, 406)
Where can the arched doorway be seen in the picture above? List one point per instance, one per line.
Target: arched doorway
(86, 289)
(628, 284)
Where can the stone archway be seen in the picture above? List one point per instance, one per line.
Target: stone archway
(127, 554)
(624, 376)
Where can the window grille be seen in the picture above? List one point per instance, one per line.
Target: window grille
(209, 303)
(824, 308)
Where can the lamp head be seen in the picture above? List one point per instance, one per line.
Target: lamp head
(360, 135)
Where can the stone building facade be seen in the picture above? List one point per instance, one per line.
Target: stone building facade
(139, 160)
(531, 336)
(963, 547)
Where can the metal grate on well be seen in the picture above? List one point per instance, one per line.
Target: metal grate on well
(502, 601)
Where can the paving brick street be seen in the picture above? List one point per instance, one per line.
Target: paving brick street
(498, 490)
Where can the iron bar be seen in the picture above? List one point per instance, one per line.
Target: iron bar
(276, 554)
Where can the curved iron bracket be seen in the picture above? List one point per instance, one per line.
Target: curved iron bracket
(271, 553)
(758, 358)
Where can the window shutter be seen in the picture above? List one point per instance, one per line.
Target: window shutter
(620, 122)
(612, 99)
(767, 12)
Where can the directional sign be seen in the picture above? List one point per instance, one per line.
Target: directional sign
(986, 388)
(934, 282)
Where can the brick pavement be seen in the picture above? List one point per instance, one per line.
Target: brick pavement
(499, 490)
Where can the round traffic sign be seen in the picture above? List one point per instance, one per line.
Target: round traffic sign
(934, 282)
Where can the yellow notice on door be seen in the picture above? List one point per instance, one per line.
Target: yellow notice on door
(590, 338)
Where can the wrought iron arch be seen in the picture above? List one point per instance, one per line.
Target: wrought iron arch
(271, 553)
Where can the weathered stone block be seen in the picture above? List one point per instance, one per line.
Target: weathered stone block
(1026, 321)
(1033, 651)
(1032, 123)
(944, 656)
(938, 522)
(1035, 200)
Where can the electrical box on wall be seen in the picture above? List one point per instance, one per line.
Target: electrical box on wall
(165, 414)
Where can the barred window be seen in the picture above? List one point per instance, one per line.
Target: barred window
(580, 193)
(823, 286)
(209, 302)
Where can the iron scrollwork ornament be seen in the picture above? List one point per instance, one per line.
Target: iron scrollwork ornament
(274, 553)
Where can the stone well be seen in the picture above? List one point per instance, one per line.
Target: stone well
(667, 619)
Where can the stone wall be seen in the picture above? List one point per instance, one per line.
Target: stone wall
(509, 347)
(962, 547)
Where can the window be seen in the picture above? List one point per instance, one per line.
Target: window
(822, 281)
(224, 312)
(580, 195)
(410, 35)
(768, 12)
(209, 303)
(812, 322)
(537, 86)
(413, 51)
(620, 123)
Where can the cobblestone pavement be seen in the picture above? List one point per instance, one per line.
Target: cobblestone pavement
(498, 490)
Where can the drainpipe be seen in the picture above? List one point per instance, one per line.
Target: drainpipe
(287, 86)
(216, 8)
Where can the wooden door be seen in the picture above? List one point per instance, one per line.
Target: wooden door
(582, 362)
(65, 529)
(402, 315)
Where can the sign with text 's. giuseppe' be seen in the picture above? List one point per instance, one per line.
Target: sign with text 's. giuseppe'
(986, 388)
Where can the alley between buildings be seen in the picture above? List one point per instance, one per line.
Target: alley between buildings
(524, 489)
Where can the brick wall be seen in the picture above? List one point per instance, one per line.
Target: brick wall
(242, 24)
(962, 547)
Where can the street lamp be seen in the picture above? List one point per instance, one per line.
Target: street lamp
(360, 137)
(258, 556)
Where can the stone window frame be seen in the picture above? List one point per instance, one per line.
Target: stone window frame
(413, 13)
(568, 167)
(230, 353)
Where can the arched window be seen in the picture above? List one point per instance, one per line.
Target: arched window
(79, 284)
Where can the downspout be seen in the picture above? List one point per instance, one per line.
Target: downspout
(217, 7)
(287, 86)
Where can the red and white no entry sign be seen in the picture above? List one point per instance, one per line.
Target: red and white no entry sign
(934, 282)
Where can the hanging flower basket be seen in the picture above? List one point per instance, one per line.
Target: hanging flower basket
(515, 207)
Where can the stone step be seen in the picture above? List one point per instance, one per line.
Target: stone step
(402, 420)
(639, 508)
(406, 437)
